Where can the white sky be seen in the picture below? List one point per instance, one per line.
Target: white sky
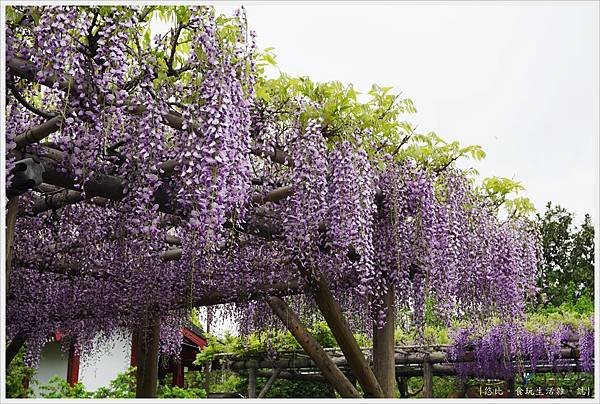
(520, 79)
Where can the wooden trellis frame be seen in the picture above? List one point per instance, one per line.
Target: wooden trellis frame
(409, 361)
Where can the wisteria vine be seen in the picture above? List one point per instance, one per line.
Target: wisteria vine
(177, 121)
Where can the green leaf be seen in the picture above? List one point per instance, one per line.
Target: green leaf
(146, 40)
(263, 94)
(269, 59)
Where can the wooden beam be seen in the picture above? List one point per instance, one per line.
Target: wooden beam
(147, 371)
(308, 377)
(310, 345)
(252, 383)
(438, 369)
(336, 320)
(39, 132)
(295, 363)
(27, 70)
(383, 347)
(111, 187)
(269, 383)
(427, 379)
(400, 359)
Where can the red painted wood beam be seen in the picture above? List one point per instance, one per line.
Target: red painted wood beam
(189, 334)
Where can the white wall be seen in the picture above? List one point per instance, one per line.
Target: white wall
(53, 362)
(108, 359)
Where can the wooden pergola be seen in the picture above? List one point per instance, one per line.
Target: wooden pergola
(424, 361)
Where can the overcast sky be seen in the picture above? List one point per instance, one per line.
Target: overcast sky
(520, 79)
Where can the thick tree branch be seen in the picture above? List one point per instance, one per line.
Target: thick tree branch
(15, 92)
(39, 132)
(26, 70)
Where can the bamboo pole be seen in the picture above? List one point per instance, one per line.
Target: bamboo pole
(310, 345)
(383, 348)
(332, 313)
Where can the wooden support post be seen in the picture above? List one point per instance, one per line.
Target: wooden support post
(402, 386)
(133, 362)
(207, 370)
(178, 376)
(332, 313)
(73, 366)
(383, 348)
(13, 348)
(332, 373)
(207, 365)
(510, 384)
(462, 388)
(252, 383)
(12, 209)
(427, 378)
(147, 371)
(140, 356)
(269, 383)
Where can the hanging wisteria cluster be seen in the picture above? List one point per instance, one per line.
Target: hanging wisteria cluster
(101, 262)
(195, 157)
(505, 351)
